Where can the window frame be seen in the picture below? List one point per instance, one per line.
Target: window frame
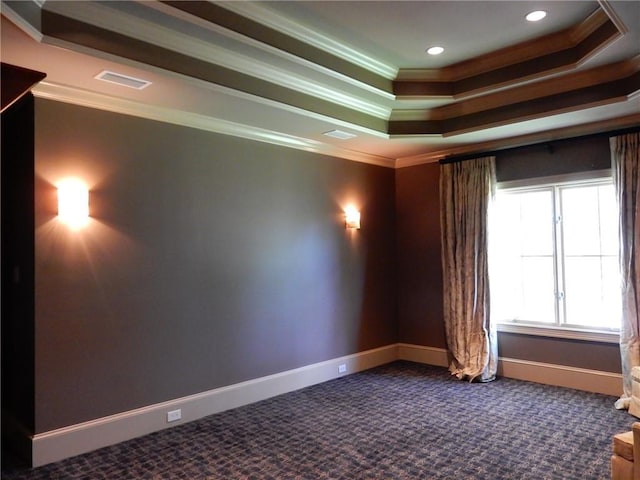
(557, 331)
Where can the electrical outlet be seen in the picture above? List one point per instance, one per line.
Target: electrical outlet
(174, 415)
(342, 368)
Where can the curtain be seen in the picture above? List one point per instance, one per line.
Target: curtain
(466, 191)
(625, 165)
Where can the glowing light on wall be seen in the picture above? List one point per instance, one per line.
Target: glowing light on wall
(73, 203)
(352, 217)
(536, 16)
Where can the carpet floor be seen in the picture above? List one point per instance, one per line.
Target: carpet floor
(397, 421)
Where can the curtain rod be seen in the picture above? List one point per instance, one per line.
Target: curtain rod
(472, 156)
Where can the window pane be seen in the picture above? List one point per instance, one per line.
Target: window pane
(523, 222)
(592, 288)
(590, 220)
(536, 223)
(538, 293)
(523, 289)
(592, 292)
(521, 257)
(608, 220)
(580, 220)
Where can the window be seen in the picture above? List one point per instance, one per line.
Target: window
(553, 260)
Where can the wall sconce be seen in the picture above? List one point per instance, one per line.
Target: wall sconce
(352, 217)
(73, 203)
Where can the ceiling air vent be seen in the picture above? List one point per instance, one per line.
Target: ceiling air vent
(124, 80)
(339, 134)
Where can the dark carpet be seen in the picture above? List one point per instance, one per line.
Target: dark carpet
(398, 421)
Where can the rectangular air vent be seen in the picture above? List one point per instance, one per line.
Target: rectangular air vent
(124, 80)
(339, 134)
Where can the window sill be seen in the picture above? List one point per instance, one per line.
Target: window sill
(572, 334)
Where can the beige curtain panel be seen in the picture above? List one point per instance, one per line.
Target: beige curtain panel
(466, 191)
(625, 165)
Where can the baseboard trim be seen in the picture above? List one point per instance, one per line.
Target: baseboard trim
(81, 438)
(549, 374)
(423, 354)
(562, 376)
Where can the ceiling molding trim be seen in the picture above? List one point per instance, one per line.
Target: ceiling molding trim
(527, 61)
(613, 16)
(219, 29)
(581, 31)
(277, 39)
(84, 98)
(154, 34)
(67, 29)
(280, 23)
(602, 126)
(596, 87)
(538, 90)
(19, 18)
(409, 114)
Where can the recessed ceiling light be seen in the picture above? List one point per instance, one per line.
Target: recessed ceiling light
(536, 15)
(339, 134)
(435, 50)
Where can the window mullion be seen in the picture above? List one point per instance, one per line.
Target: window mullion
(558, 258)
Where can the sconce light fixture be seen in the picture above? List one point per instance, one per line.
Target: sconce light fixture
(73, 203)
(352, 217)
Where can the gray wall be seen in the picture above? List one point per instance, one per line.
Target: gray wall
(419, 262)
(209, 260)
(420, 307)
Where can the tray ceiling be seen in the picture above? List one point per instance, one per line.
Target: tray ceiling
(287, 72)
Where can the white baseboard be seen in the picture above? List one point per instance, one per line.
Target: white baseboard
(69, 441)
(546, 373)
(422, 354)
(76, 439)
(562, 376)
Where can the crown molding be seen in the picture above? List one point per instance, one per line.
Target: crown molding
(581, 31)
(85, 98)
(514, 54)
(247, 50)
(518, 64)
(280, 23)
(580, 90)
(613, 16)
(66, 94)
(540, 89)
(19, 12)
(185, 15)
(602, 126)
(525, 92)
(149, 32)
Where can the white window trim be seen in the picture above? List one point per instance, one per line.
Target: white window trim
(554, 331)
(560, 332)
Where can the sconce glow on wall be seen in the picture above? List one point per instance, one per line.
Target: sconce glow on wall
(352, 217)
(73, 203)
